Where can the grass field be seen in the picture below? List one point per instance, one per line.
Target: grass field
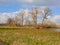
(29, 36)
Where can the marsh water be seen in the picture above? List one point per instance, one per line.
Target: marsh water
(55, 29)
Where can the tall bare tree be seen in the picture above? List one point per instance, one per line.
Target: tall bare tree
(22, 12)
(46, 13)
(34, 12)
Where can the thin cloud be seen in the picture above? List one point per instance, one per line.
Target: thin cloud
(4, 2)
(34, 2)
(41, 2)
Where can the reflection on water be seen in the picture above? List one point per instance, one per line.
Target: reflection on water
(58, 30)
(55, 29)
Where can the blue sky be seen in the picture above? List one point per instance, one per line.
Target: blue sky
(12, 7)
(16, 7)
(9, 6)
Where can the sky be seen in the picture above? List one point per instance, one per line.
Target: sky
(11, 7)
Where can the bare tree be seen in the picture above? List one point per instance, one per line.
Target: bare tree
(46, 13)
(17, 20)
(34, 12)
(22, 12)
(11, 22)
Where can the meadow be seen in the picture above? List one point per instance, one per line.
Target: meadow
(29, 36)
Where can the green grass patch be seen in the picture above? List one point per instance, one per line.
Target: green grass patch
(19, 36)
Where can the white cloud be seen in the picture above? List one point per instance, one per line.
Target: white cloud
(56, 19)
(4, 16)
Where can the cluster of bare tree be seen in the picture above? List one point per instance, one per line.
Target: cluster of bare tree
(19, 19)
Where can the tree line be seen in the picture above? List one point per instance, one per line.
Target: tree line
(34, 12)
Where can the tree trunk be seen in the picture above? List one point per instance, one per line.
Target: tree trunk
(22, 20)
(35, 20)
(43, 19)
